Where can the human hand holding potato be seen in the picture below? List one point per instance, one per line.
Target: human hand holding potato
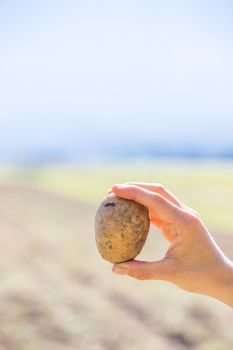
(193, 261)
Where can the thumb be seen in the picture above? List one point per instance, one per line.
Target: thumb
(142, 270)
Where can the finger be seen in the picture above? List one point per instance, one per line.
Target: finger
(156, 221)
(159, 206)
(141, 270)
(158, 188)
(153, 220)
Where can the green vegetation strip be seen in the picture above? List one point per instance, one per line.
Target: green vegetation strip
(206, 187)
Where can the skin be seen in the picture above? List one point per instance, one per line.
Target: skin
(193, 261)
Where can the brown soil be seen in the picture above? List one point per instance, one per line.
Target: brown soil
(57, 293)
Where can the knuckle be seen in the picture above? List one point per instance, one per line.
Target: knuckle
(196, 214)
(158, 198)
(193, 218)
(159, 187)
(132, 190)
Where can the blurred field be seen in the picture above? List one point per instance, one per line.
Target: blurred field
(57, 293)
(205, 186)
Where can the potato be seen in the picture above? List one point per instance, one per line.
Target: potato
(121, 228)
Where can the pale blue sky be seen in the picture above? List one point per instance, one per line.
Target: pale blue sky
(80, 73)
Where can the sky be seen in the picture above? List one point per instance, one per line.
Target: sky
(92, 75)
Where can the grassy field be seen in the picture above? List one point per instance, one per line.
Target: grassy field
(207, 187)
(58, 294)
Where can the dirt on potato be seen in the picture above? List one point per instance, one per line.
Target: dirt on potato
(121, 227)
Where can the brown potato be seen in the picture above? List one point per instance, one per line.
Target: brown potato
(121, 228)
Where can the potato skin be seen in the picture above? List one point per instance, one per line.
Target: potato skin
(121, 228)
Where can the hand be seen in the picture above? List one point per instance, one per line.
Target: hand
(193, 261)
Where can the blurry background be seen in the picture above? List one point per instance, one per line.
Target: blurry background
(94, 93)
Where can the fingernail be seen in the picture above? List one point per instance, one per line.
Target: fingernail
(120, 270)
(116, 186)
(120, 186)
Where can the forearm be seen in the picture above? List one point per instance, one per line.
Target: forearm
(223, 289)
